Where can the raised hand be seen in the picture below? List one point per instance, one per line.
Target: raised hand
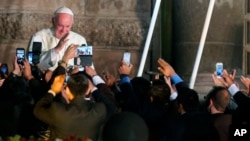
(227, 79)
(61, 43)
(70, 53)
(90, 71)
(108, 78)
(233, 74)
(75, 70)
(246, 82)
(168, 82)
(27, 70)
(218, 81)
(1, 82)
(125, 68)
(58, 83)
(165, 68)
(17, 68)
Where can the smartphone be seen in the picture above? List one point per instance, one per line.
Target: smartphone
(219, 69)
(85, 50)
(4, 71)
(37, 47)
(20, 53)
(126, 57)
(30, 57)
(85, 55)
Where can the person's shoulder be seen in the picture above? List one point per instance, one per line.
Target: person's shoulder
(76, 35)
(99, 107)
(43, 31)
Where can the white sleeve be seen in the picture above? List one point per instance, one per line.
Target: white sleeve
(233, 89)
(173, 96)
(97, 80)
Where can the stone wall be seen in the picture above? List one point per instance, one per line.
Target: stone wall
(224, 41)
(111, 26)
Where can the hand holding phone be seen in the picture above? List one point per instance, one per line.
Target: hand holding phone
(219, 69)
(127, 57)
(20, 53)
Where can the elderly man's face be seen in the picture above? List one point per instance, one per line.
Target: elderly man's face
(62, 24)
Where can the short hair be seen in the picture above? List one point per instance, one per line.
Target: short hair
(78, 84)
(220, 99)
(160, 92)
(188, 98)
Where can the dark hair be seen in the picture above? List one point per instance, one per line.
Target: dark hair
(78, 84)
(160, 92)
(189, 99)
(16, 90)
(141, 87)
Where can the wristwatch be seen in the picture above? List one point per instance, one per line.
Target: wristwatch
(62, 62)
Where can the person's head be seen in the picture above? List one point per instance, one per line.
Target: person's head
(159, 92)
(141, 87)
(125, 126)
(78, 84)
(217, 100)
(188, 100)
(62, 21)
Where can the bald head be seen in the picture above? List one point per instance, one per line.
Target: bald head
(220, 98)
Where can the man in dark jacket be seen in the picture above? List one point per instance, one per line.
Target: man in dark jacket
(81, 117)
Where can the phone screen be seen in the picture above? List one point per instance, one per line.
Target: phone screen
(126, 57)
(20, 53)
(85, 50)
(4, 70)
(30, 56)
(219, 69)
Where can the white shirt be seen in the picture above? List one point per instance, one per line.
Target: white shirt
(48, 58)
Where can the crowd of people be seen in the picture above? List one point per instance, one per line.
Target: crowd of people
(54, 100)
